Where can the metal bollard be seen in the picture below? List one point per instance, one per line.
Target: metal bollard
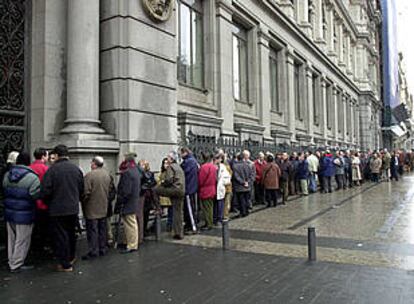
(311, 244)
(225, 234)
(158, 226)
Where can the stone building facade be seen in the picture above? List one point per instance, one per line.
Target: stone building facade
(110, 76)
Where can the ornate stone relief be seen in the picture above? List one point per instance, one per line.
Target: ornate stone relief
(159, 10)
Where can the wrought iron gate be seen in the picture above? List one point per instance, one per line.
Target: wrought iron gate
(12, 99)
(12, 78)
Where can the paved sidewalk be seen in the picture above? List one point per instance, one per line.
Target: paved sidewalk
(171, 273)
(365, 255)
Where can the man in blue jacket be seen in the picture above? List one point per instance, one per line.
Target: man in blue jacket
(190, 168)
(327, 171)
(21, 189)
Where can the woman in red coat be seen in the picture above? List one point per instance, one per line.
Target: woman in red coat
(207, 189)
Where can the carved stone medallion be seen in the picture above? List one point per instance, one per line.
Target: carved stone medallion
(159, 10)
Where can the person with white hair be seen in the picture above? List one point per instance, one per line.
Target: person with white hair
(99, 191)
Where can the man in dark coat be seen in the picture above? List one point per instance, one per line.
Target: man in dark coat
(173, 187)
(62, 190)
(128, 196)
(327, 171)
(21, 188)
(242, 184)
(190, 168)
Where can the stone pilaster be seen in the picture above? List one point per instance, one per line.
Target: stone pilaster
(264, 87)
(225, 99)
(310, 110)
(290, 65)
(336, 95)
(324, 108)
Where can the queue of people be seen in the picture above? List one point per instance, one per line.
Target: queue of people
(43, 199)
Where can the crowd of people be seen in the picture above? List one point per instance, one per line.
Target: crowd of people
(43, 199)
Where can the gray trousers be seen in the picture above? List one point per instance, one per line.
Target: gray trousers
(19, 237)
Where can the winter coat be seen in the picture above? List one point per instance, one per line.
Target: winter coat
(99, 187)
(259, 166)
(313, 163)
(164, 201)
(40, 169)
(271, 176)
(375, 165)
(129, 191)
(327, 166)
(190, 168)
(62, 188)
(339, 163)
(148, 181)
(21, 187)
(302, 170)
(356, 170)
(229, 187)
(252, 167)
(242, 173)
(173, 184)
(387, 161)
(207, 181)
(223, 179)
(286, 168)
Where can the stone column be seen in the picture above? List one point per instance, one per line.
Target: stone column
(265, 97)
(311, 111)
(290, 65)
(82, 108)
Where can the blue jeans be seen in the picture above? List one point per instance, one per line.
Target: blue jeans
(312, 182)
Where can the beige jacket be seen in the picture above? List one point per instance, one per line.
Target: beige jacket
(98, 185)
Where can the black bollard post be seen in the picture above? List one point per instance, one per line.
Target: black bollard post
(225, 234)
(158, 226)
(311, 244)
